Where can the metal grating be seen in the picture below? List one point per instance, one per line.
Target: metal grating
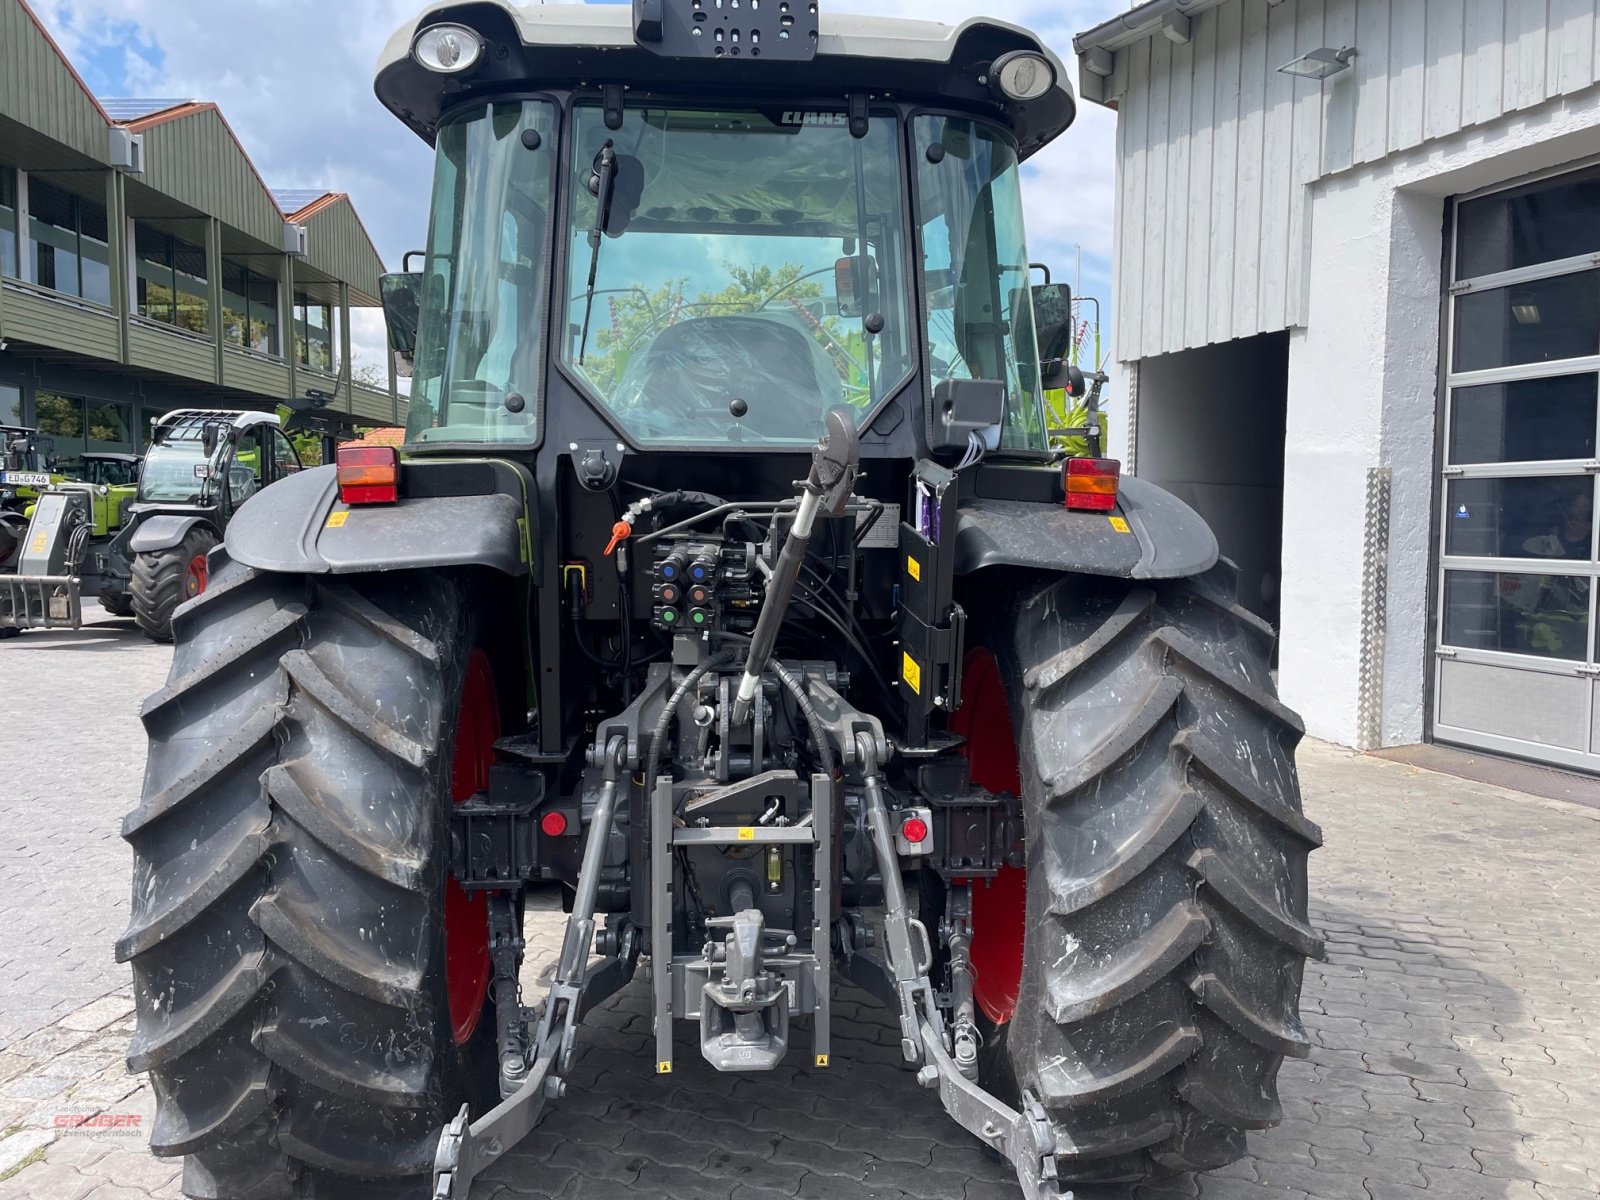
(1374, 610)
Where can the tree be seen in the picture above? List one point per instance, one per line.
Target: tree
(371, 374)
(625, 321)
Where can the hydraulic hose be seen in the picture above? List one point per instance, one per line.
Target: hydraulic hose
(658, 735)
(819, 731)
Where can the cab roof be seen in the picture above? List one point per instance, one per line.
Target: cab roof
(183, 423)
(573, 45)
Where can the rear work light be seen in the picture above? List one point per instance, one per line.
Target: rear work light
(369, 474)
(1092, 483)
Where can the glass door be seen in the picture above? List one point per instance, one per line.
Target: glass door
(1516, 654)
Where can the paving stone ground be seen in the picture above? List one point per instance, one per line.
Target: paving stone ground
(1456, 1021)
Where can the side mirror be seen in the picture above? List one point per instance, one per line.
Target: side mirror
(1052, 314)
(855, 285)
(402, 295)
(208, 438)
(962, 407)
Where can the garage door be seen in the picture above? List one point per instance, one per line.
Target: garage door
(1516, 659)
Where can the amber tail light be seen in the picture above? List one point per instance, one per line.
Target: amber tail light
(1092, 483)
(369, 474)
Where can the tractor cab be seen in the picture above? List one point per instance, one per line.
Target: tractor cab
(202, 459)
(23, 449)
(26, 463)
(762, 219)
(109, 470)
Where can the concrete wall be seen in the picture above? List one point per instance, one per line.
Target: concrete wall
(1362, 393)
(1211, 430)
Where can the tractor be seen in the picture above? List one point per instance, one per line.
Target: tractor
(24, 469)
(26, 474)
(142, 549)
(727, 580)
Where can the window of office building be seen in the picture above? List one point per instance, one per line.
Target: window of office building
(10, 404)
(8, 222)
(171, 284)
(313, 334)
(75, 425)
(67, 242)
(249, 308)
(61, 419)
(109, 426)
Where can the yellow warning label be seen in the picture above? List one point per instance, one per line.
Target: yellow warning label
(336, 519)
(39, 540)
(911, 672)
(664, 1068)
(822, 1060)
(747, 833)
(913, 568)
(1119, 524)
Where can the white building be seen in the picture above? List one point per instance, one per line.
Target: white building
(1363, 312)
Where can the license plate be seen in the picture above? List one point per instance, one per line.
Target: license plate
(25, 478)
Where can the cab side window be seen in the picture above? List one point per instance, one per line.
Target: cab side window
(245, 471)
(286, 461)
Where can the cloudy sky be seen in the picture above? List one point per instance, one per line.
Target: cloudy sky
(294, 78)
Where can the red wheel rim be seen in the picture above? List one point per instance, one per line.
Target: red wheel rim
(999, 905)
(197, 577)
(466, 914)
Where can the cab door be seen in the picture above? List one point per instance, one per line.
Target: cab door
(247, 471)
(285, 459)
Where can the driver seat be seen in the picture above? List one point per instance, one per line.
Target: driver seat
(768, 359)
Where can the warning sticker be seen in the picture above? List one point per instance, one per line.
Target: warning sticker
(747, 833)
(336, 519)
(39, 540)
(911, 672)
(1119, 524)
(913, 568)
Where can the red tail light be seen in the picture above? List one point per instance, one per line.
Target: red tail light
(369, 474)
(1092, 483)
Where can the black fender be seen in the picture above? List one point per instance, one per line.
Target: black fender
(1165, 538)
(162, 531)
(299, 524)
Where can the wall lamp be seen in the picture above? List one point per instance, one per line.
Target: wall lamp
(1319, 63)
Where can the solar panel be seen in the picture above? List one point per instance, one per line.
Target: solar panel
(292, 200)
(128, 108)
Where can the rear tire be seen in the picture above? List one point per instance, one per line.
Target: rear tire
(164, 579)
(120, 605)
(1164, 933)
(290, 887)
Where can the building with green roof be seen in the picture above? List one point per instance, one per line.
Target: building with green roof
(146, 265)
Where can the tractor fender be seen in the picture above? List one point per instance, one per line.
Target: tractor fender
(1165, 538)
(162, 531)
(298, 525)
